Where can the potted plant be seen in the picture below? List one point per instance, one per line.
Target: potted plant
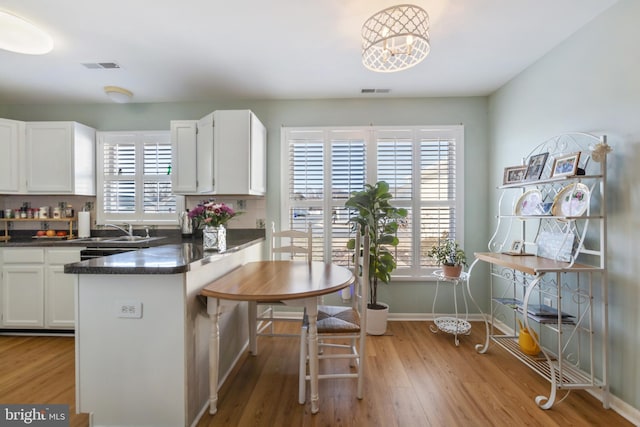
(375, 211)
(448, 253)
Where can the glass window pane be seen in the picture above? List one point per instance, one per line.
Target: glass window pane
(300, 218)
(435, 224)
(119, 159)
(157, 159)
(341, 231)
(158, 197)
(119, 196)
(438, 167)
(395, 166)
(307, 170)
(347, 168)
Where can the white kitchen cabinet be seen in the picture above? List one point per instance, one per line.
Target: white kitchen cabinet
(229, 154)
(23, 288)
(35, 292)
(11, 142)
(59, 310)
(60, 158)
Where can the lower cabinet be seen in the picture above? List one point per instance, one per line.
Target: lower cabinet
(35, 292)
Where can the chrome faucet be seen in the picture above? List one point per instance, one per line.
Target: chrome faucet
(128, 233)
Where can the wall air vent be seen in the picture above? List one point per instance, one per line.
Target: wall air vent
(375, 90)
(101, 65)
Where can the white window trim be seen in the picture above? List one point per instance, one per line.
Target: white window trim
(455, 131)
(136, 218)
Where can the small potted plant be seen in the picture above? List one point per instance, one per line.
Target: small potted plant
(450, 256)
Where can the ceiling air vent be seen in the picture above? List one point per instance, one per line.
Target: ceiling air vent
(375, 90)
(101, 65)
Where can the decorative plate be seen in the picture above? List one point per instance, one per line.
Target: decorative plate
(572, 200)
(528, 203)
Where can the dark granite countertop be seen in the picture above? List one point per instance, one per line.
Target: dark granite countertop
(164, 259)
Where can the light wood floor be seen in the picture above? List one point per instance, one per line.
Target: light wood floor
(413, 378)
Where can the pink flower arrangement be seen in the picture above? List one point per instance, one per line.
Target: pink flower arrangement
(211, 214)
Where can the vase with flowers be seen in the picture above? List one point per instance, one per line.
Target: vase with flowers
(212, 217)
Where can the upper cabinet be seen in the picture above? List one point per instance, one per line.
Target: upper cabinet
(11, 141)
(47, 158)
(224, 153)
(60, 158)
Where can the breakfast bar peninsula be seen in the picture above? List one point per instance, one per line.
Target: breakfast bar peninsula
(142, 332)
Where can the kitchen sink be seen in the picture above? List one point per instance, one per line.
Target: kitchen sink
(118, 239)
(93, 239)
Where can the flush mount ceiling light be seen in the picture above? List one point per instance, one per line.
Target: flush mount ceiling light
(118, 94)
(395, 38)
(20, 36)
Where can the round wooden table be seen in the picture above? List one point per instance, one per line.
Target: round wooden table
(297, 282)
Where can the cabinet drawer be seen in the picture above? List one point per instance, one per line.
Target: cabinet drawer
(62, 256)
(23, 256)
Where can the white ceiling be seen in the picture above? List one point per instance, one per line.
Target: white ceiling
(198, 50)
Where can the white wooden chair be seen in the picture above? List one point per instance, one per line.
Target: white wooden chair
(294, 244)
(339, 324)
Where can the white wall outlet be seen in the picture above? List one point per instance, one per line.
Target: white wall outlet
(129, 309)
(260, 223)
(547, 301)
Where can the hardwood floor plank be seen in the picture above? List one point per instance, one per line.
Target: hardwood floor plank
(413, 377)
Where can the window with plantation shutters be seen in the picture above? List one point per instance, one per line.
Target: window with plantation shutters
(422, 164)
(134, 178)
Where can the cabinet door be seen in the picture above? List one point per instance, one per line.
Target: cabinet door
(10, 141)
(258, 170)
(204, 151)
(60, 293)
(232, 136)
(183, 164)
(59, 308)
(49, 160)
(22, 296)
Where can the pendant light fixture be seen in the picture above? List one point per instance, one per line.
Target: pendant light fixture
(395, 38)
(20, 36)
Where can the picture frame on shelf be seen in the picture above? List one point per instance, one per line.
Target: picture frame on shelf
(566, 165)
(517, 246)
(514, 174)
(536, 166)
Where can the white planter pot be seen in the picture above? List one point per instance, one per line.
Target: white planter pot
(377, 320)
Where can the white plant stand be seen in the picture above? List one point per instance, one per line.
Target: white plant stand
(456, 324)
